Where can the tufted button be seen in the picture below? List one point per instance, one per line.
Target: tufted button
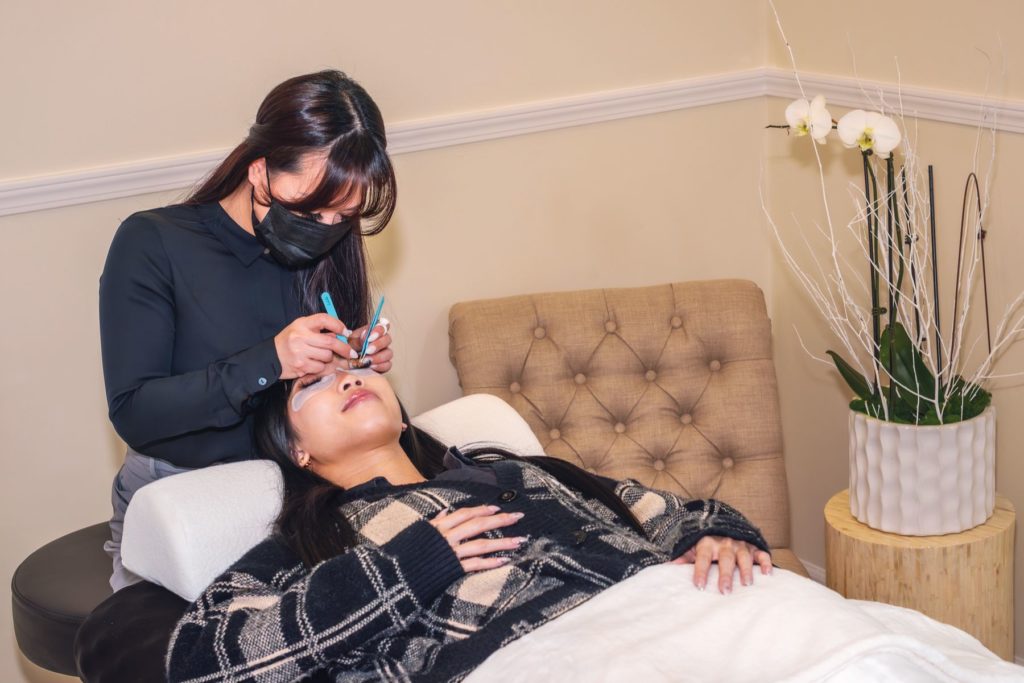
(727, 462)
(686, 418)
(514, 387)
(619, 428)
(715, 366)
(676, 322)
(508, 496)
(555, 434)
(650, 375)
(580, 378)
(610, 326)
(659, 464)
(539, 333)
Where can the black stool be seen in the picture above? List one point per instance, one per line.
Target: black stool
(54, 590)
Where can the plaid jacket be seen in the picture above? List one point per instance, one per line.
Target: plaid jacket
(398, 607)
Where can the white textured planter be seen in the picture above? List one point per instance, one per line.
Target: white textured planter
(922, 480)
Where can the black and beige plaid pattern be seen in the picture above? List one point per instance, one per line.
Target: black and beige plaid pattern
(399, 608)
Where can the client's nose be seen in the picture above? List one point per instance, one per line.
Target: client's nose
(350, 382)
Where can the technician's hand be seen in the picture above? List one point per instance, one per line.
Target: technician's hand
(308, 345)
(468, 523)
(378, 350)
(729, 554)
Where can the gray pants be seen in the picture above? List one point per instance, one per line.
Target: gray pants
(137, 471)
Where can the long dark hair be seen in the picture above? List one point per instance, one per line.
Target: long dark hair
(311, 521)
(329, 112)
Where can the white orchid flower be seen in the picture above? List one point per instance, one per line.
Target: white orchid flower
(870, 130)
(809, 118)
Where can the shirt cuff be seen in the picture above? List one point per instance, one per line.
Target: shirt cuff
(249, 372)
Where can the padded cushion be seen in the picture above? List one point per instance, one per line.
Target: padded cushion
(181, 532)
(672, 385)
(54, 590)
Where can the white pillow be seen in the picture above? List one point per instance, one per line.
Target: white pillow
(181, 532)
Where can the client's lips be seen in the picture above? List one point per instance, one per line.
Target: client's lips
(358, 396)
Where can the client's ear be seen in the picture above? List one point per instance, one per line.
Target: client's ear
(301, 458)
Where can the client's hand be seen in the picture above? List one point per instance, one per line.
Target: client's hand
(459, 525)
(729, 554)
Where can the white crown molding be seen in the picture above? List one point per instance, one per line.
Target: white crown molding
(21, 195)
(922, 103)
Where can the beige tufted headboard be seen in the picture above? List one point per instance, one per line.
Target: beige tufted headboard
(672, 385)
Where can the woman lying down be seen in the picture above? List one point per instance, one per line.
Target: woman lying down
(397, 559)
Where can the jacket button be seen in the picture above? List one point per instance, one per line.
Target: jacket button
(579, 536)
(263, 381)
(508, 496)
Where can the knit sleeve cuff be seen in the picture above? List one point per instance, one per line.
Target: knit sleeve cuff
(724, 520)
(426, 560)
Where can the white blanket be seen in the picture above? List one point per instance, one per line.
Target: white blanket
(657, 627)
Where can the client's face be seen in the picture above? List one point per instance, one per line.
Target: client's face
(343, 415)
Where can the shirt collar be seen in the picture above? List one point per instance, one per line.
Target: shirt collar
(244, 246)
(454, 459)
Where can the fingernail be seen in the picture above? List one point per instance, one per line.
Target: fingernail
(371, 349)
(353, 354)
(727, 590)
(347, 332)
(493, 508)
(503, 560)
(518, 515)
(520, 539)
(701, 586)
(375, 336)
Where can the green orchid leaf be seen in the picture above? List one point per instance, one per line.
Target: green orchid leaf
(854, 379)
(905, 363)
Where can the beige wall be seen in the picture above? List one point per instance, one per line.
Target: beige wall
(938, 45)
(637, 201)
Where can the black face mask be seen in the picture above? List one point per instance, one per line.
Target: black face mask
(295, 241)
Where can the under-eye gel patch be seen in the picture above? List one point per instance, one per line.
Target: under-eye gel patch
(307, 392)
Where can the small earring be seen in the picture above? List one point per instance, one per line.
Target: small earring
(404, 426)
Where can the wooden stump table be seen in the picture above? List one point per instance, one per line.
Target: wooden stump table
(963, 579)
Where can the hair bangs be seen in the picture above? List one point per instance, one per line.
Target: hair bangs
(355, 164)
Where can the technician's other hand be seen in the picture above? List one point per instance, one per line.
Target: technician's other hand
(463, 524)
(730, 554)
(378, 349)
(308, 345)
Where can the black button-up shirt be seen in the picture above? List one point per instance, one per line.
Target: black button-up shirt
(189, 307)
